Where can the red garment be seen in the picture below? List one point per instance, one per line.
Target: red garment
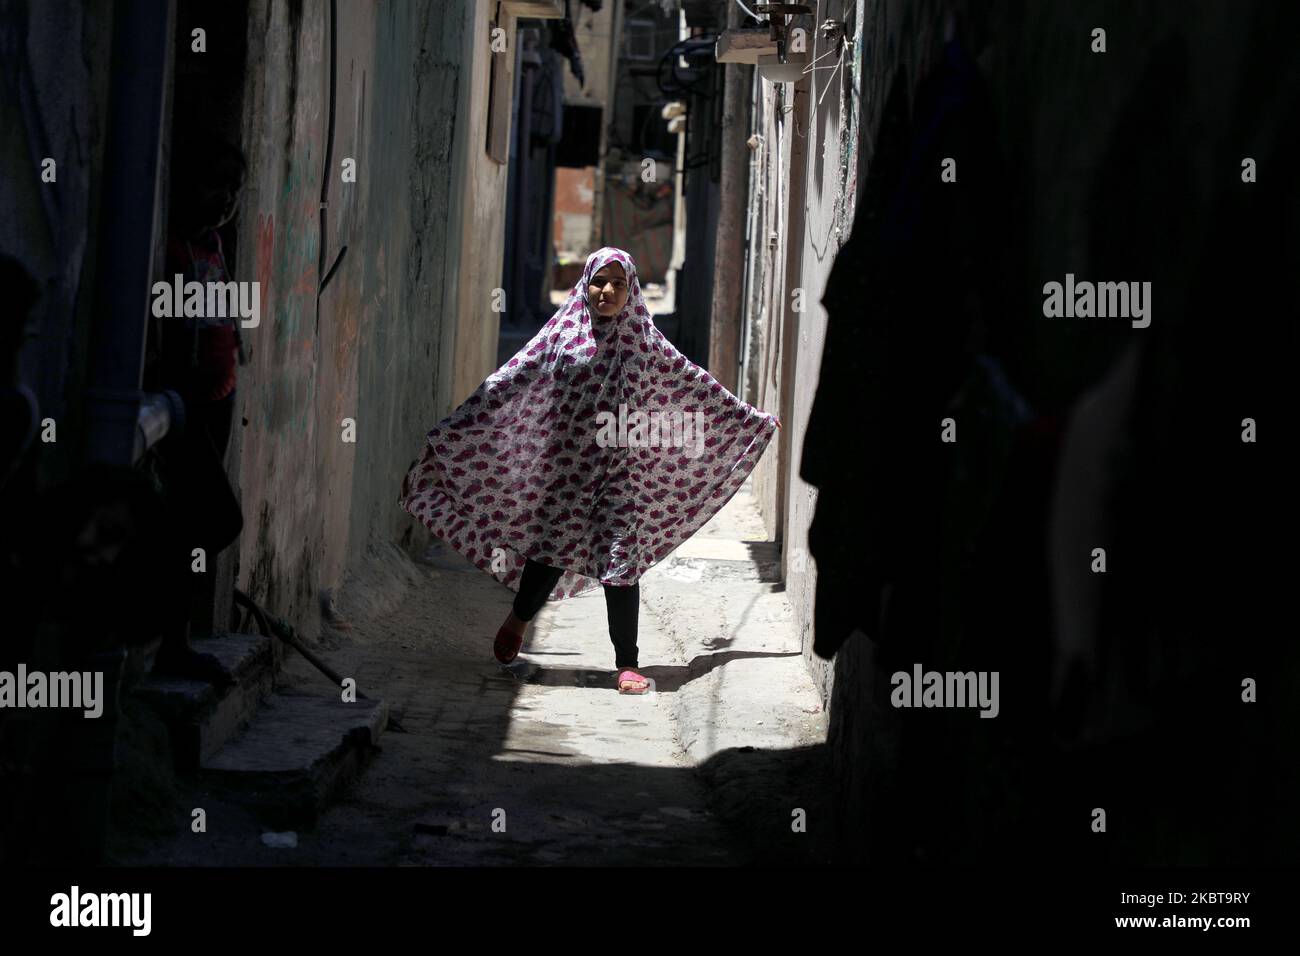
(209, 373)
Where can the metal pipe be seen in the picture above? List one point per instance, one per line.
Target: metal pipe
(142, 32)
(284, 631)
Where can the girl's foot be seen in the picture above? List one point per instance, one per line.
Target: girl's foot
(510, 638)
(630, 682)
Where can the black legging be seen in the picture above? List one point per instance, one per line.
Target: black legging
(621, 605)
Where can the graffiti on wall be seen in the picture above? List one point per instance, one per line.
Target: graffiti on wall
(288, 244)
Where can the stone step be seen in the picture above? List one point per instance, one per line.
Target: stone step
(201, 719)
(296, 755)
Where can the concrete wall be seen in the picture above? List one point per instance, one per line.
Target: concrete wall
(826, 145)
(817, 144)
(593, 29)
(278, 445)
(480, 190)
(574, 195)
(775, 248)
(403, 331)
(1067, 124)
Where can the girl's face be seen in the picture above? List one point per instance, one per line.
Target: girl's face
(607, 293)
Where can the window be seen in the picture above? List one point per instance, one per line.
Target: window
(640, 40)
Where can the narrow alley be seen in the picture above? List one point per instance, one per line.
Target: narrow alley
(463, 441)
(707, 769)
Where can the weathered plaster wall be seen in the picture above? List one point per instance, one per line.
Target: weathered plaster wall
(480, 189)
(1196, 83)
(403, 330)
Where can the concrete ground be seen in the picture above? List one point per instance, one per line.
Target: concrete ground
(544, 762)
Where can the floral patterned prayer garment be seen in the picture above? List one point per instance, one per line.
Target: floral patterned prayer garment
(525, 464)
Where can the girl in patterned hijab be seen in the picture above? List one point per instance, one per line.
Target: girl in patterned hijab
(586, 459)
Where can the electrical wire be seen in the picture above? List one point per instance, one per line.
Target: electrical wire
(822, 57)
(670, 55)
(830, 80)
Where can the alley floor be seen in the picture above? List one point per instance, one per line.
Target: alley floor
(544, 762)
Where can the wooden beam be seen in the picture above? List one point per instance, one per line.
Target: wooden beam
(744, 46)
(540, 9)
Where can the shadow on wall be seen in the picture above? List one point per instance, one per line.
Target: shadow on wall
(1122, 689)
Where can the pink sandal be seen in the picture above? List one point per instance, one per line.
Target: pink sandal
(632, 677)
(506, 646)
